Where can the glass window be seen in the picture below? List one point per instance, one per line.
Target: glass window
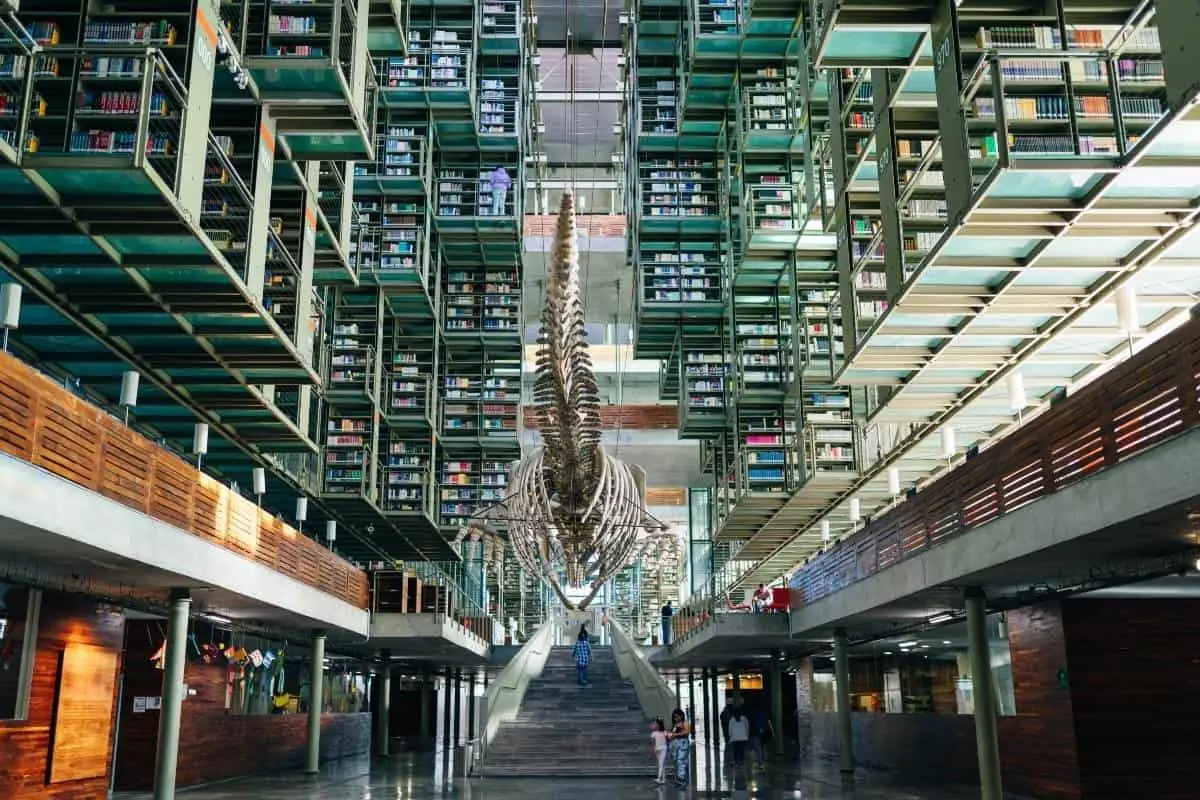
(15, 628)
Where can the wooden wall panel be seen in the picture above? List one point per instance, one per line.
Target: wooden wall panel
(25, 746)
(1135, 686)
(214, 745)
(586, 225)
(43, 423)
(1040, 750)
(87, 683)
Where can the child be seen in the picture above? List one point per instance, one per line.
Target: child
(658, 738)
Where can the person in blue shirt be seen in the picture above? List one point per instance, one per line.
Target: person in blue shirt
(583, 655)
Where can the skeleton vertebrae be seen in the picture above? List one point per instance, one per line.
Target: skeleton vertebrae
(571, 507)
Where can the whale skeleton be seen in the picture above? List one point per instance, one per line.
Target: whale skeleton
(572, 509)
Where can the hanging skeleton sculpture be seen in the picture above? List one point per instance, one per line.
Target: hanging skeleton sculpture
(572, 508)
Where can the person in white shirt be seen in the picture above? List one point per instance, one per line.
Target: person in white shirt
(739, 734)
(658, 739)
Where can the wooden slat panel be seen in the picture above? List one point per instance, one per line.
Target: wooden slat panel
(1143, 402)
(664, 496)
(627, 417)
(43, 423)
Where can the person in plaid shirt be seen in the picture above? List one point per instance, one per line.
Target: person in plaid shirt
(583, 655)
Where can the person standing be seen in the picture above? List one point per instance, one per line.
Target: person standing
(499, 182)
(680, 738)
(658, 740)
(667, 613)
(761, 732)
(726, 715)
(583, 655)
(739, 734)
(762, 598)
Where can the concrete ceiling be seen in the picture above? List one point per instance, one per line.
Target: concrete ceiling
(584, 23)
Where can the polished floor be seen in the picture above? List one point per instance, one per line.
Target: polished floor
(415, 777)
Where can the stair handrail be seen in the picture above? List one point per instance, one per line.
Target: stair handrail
(653, 692)
(506, 693)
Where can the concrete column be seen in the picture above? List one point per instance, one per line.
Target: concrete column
(471, 705)
(705, 692)
(456, 735)
(715, 701)
(167, 756)
(447, 703)
(678, 690)
(384, 707)
(985, 698)
(841, 670)
(316, 702)
(426, 680)
(691, 706)
(776, 676)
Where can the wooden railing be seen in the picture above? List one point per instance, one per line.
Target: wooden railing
(1144, 402)
(627, 417)
(46, 425)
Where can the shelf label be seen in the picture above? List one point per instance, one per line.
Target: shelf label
(266, 151)
(206, 41)
(944, 49)
(310, 227)
(885, 159)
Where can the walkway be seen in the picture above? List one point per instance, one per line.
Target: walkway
(408, 777)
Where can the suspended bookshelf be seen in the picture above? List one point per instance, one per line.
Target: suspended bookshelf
(767, 444)
(469, 485)
(482, 300)
(683, 188)
(681, 273)
(481, 399)
(408, 477)
(763, 346)
(348, 468)
(410, 389)
(830, 434)
(499, 99)
(706, 391)
(476, 189)
(353, 347)
(658, 100)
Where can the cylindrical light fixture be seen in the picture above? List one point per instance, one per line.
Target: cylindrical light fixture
(331, 531)
(1017, 400)
(259, 480)
(10, 309)
(824, 531)
(893, 478)
(301, 509)
(199, 442)
(949, 445)
(1127, 309)
(855, 510)
(129, 388)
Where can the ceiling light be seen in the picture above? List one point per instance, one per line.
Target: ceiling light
(945, 641)
(217, 619)
(904, 645)
(893, 479)
(938, 619)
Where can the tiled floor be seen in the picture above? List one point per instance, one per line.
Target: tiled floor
(415, 777)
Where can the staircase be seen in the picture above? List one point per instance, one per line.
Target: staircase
(568, 731)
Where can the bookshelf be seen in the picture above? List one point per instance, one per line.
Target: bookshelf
(402, 163)
(830, 433)
(658, 99)
(681, 273)
(439, 63)
(767, 445)
(499, 98)
(706, 390)
(354, 347)
(468, 485)
(500, 18)
(481, 399)
(679, 188)
(720, 17)
(410, 390)
(349, 466)
(481, 300)
(476, 189)
(408, 474)
(771, 116)
(763, 346)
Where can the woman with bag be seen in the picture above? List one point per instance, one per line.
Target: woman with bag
(680, 739)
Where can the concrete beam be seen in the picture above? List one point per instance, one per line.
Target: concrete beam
(1158, 478)
(727, 639)
(47, 519)
(428, 637)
